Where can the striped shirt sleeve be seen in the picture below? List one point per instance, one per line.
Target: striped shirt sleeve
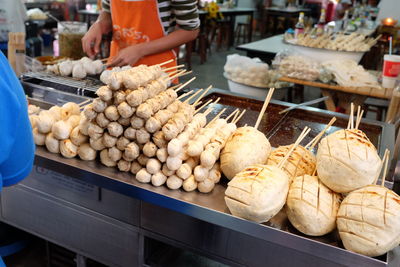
(105, 5)
(186, 14)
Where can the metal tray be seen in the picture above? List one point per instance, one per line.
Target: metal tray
(281, 129)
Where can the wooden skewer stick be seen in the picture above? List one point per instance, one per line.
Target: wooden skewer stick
(175, 86)
(202, 106)
(235, 117)
(240, 116)
(358, 113)
(314, 172)
(165, 62)
(303, 134)
(266, 102)
(173, 72)
(185, 95)
(386, 159)
(232, 114)
(316, 139)
(380, 168)
(208, 110)
(174, 67)
(186, 83)
(170, 78)
(104, 59)
(217, 116)
(85, 102)
(203, 94)
(183, 74)
(351, 118)
(359, 118)
(193, 96)
(196, 104)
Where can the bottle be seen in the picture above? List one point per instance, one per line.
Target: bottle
(299, 28)
(345, 20)
(321, 23)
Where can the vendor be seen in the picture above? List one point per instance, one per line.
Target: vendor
(144, 31)
(17, 149)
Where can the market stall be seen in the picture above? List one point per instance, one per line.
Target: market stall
(70, 195)
(133, 162)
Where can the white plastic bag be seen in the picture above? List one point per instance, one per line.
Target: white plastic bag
(12, 18)
(296, 66)
(248, 71)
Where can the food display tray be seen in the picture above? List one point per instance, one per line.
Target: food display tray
(281, 130)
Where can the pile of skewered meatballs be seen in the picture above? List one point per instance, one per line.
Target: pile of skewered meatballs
(139, 125)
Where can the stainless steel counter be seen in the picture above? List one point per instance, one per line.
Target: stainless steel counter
(107, 215)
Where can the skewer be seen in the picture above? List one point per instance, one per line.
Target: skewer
(303, 134)
(196, 104)
(217, 116)
(193, 96)
(185, 95)
(170, 78)
(236, 111)
(175, 86)
(212, 105)
(235, 117)
(104, 59)
(351, 119)
(186, 83)
(185, 73)
(84, 102)
(266, 102)
(386, 159)
(202, 106)
(240, 116)
(165, 62)
(316, 139)
(358, 121)
(358, 113)
(174, 67)
(173, 72)
(314, 172)
(208, 111)
(203, 94)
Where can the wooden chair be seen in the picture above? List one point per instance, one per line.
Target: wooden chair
(241, 32)
(379, 106)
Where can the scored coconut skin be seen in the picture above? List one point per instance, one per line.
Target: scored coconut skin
(311, 206)
(347, 160)
(300, 162)
(257, 193)
(369, 220)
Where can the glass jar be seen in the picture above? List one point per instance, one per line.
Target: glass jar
(70, 35)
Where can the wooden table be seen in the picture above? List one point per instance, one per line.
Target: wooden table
(231, 13)
(286, 13)
(265, 49)
(345, 95)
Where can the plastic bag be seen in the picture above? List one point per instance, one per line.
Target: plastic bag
(248, 71)
(296, 66)
(12, 18)
(32, 65)
(36, 14)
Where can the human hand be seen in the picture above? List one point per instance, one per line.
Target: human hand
(92, 39)
(127, 56)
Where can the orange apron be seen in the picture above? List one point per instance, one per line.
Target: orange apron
(134, 22)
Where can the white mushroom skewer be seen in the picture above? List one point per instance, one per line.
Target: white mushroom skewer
(202, 138)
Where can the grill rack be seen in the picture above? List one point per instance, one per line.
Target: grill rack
(87, 84)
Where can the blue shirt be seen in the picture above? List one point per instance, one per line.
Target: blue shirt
(17, 148)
